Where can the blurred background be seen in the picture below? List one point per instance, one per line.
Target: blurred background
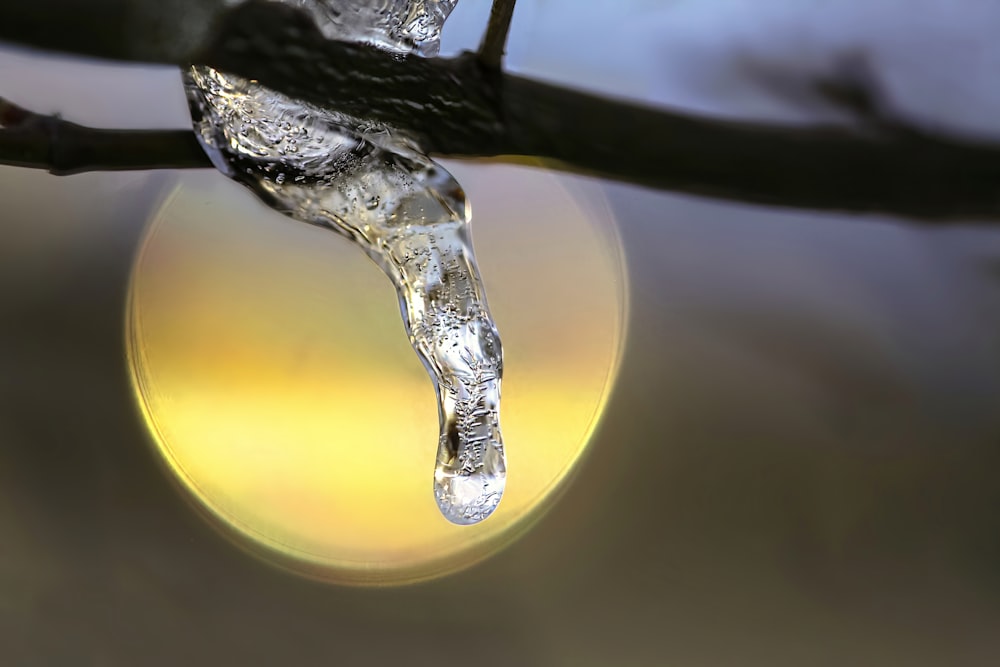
(797, 463)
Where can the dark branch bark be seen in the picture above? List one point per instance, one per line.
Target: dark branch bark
(457, 107)
(32, 140)
(491, 51)
(164, 31)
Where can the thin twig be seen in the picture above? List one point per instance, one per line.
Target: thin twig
(29, 139)
(491, 50)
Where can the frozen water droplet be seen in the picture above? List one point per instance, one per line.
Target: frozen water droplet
(467, 498)
(414, 225)
(471, 468)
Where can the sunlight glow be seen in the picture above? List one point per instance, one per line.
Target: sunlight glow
(270, 362)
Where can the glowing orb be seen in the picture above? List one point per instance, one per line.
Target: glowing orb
(270, 361)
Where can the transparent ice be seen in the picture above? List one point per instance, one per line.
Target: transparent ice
(408, 214)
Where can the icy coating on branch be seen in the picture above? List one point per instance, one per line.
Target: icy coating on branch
(410, 216)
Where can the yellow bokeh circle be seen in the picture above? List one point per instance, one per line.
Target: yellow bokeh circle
(270, 361)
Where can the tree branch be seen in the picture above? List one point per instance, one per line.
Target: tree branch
(457, 107)
(32, 140)
(491, 50)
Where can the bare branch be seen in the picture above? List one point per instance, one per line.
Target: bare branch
(164, 31)
(456, 107)
(32, 140)
(494, 43)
